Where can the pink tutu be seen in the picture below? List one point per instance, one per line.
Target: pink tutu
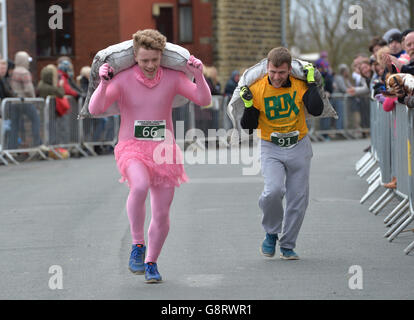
(168, 173)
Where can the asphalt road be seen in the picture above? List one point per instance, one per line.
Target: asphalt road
(71, 214)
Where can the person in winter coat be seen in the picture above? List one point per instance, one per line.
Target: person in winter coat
(48, 84)
(340, 85)
(5, 88)
(65, 71)
(231, 84)
(84, 76)
(22, 85)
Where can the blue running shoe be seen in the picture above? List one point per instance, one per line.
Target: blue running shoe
(137, 258)
(151, 273)
(268, 246)
(288, 254)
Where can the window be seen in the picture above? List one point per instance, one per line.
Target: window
(3, 29)
(54, 42)
(185, 16)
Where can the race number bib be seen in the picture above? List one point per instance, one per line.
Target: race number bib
(149, 130)
(285, 140)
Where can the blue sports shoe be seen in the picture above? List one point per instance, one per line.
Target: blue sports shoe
(136, 260)
(268, 246)
(151, 273)
(288, 254)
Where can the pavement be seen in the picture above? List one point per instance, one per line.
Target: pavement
(71, 214)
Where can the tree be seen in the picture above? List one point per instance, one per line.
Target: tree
(318, 25)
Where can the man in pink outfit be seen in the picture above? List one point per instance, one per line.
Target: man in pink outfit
(144, 94)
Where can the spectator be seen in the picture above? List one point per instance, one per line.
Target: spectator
(215, 88)
(322, 64)
(408, 68)
(84, 76)
(399, 65)
(404, 35)
(386, 36)
(5, 88)
(65, 71)
(366, 73)
(396, 47)
(48, 84)
(377, 83)
(212, 81)
(376, 44)
(207, 118)
(341, 84)
(21, 81)
(362, 93)
(231, 84)
(21, 84)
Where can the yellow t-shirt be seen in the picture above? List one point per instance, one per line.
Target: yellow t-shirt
(281, 109)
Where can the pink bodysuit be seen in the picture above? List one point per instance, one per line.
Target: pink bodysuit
(140, 98)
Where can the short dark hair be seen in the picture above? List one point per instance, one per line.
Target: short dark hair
(376, 41)
(279, 56)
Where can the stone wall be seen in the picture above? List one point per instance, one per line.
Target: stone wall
(244, 32)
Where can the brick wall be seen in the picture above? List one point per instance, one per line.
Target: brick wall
(96, 26)
(21, 29)
(244, 32)
(201, 47)
(202, 32)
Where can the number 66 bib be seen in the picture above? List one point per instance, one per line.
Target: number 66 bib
(149, 130)
(285, 140)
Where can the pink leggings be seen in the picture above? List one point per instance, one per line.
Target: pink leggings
(161, 198)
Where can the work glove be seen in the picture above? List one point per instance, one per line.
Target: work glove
(246, 96)
(309, 70)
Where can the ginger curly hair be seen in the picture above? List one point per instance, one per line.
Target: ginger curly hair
(149, 39)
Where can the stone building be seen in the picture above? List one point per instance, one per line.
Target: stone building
(245, 31)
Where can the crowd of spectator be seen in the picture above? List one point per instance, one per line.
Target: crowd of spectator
(391, 53)
(16, 81)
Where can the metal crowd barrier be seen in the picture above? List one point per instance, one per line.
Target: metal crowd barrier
(51, 131)
(343, 127)
(392, 134)
(213, 117)
(99, 132)
(63, 131)
(22, 136)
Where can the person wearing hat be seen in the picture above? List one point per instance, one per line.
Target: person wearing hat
(399, 66)
(65, 72)
(22, 85)
(396, 47)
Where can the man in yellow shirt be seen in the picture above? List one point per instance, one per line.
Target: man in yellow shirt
(275, 105)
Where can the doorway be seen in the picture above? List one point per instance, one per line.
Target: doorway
(165, 23)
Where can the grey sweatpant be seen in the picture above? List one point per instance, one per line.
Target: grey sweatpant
(286, 174)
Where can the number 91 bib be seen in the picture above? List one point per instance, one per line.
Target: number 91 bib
(149, 130)
(285, 140)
